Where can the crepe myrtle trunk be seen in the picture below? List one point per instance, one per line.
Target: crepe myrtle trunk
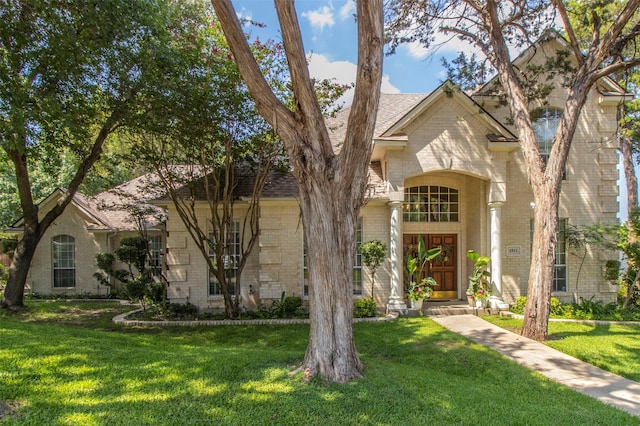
(330, 226)
(545, 238)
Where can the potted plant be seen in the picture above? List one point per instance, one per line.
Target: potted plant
(479, 279)
(420, 287)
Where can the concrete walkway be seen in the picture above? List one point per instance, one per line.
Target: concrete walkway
(578, 375)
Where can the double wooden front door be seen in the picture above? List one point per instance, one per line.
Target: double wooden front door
(444, 268)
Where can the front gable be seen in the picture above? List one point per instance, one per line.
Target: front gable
(447, 130)
(78, 210)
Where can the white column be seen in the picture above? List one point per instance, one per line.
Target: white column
(396, 299)
(496, 254)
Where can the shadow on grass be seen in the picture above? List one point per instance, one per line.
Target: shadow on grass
(416, 373)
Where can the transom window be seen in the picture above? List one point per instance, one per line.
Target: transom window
(63, 249)
(431, 203)
(231, 258)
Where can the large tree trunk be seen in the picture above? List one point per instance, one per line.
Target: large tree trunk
(331, 185)
(626, 148)
(329, 227)
(14, 291)
(535, 325)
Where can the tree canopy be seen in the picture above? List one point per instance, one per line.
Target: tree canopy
(71, 75)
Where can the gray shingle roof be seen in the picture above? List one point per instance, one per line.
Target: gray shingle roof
(391, 109)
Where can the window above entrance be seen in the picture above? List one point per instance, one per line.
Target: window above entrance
(431, 203)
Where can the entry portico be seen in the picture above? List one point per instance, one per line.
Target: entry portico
(447, 170)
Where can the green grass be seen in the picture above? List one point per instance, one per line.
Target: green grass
(615, 348)
(72, 368)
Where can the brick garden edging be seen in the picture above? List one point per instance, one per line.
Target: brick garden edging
(122, 319)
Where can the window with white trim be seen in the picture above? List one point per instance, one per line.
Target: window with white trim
(155, 253)
(560, 266)
(63, 252)
(231, 259)
(357, 265)
(545, 123)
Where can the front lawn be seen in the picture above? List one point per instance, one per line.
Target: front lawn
(83, 371)
(615, 348)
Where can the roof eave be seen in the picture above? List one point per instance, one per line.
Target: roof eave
(614, 100)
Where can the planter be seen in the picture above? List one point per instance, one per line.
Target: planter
(416, 304)
(471, 300)
(481, 303)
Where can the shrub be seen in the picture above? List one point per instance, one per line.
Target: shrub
(556, 307)
(291, 305)
(365, 308)
(612, 270)
(181, 310)
(8, 246)
(518, 306)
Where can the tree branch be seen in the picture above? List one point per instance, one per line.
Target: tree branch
(279, 116)
(367, 91)
(569, 29)
(306, 102)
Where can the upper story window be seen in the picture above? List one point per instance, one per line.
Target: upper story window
(545, 122)
(431, 203)
(63, 249)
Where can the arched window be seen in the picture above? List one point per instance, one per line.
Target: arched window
(430, 203)
(545, 123)
(63, 249)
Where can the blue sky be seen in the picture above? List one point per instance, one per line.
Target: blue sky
(329, 33)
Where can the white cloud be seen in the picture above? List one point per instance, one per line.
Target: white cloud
(442, 43)
(348, 9)
(342, 72)
(320, 18)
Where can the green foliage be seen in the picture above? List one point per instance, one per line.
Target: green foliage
(373, 254)
(556, 307)
(480, 277)
(139, 284)
(365, 308)
(286, 307)
(8, 246)
(179, 311)
(517, 307)
(4, 275)
(587, 309)
(105, 262)
(467, 72)
(612, 269)
(133, 251)
(418, 285)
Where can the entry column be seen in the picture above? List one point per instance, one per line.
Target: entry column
(396, 299)
(496, 255)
